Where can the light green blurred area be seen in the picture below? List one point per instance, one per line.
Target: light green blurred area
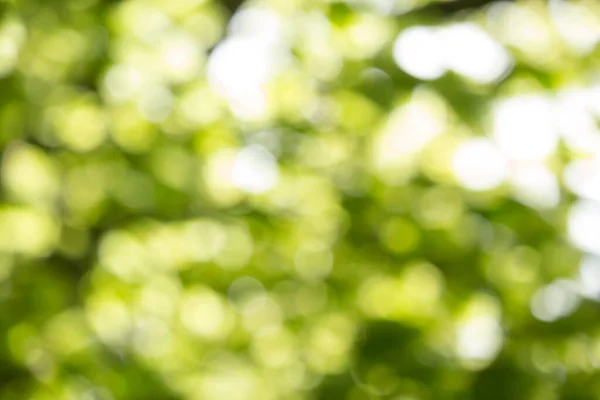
(294, 199)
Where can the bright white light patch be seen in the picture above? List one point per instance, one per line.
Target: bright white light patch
(471, 52)
(583, 223)
(419, 52)
(255, 170)
(555, 300)
(580, 132)
(575, 120)
(583, 178)
(240, 64)
(479, 338)
(257, 22)
(411, 127)
(181, 56)
(589, 278)
(521, 27)
(524, 127)
(251, 105)
(240, 67)
(536, 186)
(577, 24)
(479, 165)
(592, 94)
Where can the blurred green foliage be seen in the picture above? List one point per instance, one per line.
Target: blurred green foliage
(299, 199)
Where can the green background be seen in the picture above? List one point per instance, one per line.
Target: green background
(164, 237)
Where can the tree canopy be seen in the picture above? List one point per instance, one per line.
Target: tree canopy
(299, 199)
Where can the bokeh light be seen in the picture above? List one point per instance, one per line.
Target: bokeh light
(287, 199)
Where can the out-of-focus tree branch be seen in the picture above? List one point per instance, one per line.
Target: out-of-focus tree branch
(447, 8)
(442, 8)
